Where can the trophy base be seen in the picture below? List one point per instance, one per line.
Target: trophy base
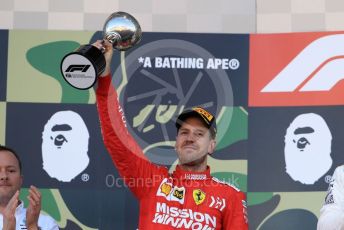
(81, 68)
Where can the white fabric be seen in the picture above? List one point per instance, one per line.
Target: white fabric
(332, 212)
(45, 222)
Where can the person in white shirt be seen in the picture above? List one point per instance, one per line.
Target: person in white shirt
(13, 215)
(332, 212)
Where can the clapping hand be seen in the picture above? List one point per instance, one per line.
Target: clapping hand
(9, 222)
(34, 208)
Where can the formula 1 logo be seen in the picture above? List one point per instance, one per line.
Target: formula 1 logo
(316, 68)
(296, 69)
(81, 68)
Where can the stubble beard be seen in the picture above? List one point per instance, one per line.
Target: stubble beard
(192, 161)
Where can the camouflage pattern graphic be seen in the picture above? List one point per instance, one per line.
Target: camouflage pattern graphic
(164, 74)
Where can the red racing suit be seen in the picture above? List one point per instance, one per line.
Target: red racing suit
(183, 199)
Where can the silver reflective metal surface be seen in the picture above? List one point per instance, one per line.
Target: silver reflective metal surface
(122, 30)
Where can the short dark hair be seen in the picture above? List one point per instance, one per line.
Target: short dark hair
(4, 148)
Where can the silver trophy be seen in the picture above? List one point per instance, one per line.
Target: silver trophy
(82, 67)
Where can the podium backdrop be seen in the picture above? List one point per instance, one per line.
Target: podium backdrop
(277, 97)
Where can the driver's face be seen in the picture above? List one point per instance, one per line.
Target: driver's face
(193, 142)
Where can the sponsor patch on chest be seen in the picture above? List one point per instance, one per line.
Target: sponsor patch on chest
(171, 192)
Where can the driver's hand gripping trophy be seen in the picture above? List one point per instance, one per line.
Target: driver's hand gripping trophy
(82, 67)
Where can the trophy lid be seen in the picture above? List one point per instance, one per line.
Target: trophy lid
(122, 30)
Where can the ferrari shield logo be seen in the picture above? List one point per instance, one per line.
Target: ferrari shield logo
(198, 196)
